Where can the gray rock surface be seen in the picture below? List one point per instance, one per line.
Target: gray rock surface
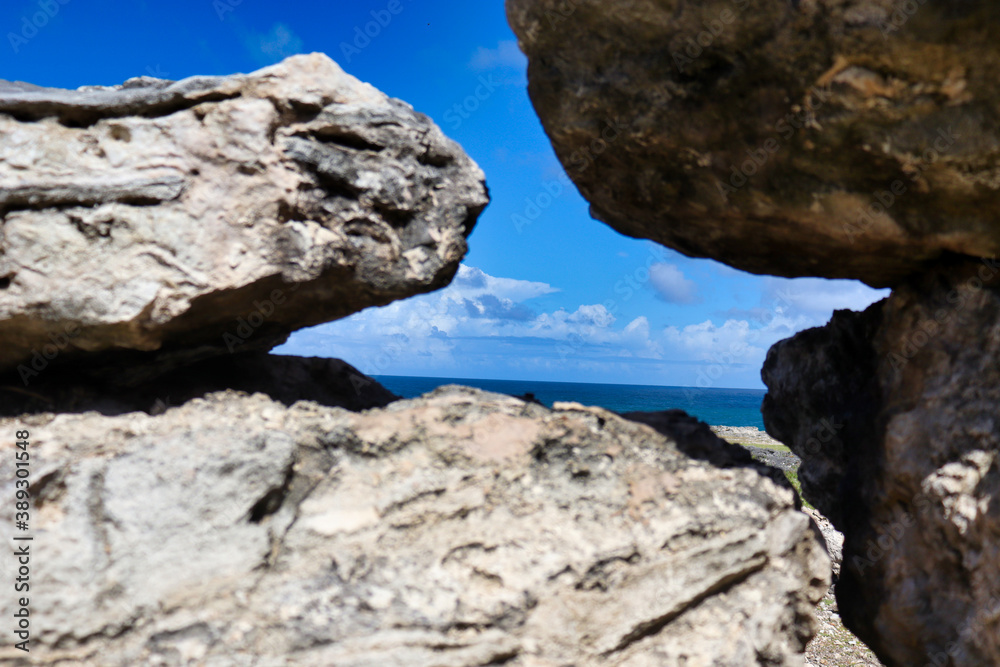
(894, 412)
(462, 528)
(153, 224)
(782, 460)
(833, 138)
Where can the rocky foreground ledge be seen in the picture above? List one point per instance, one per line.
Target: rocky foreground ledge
(461, 528)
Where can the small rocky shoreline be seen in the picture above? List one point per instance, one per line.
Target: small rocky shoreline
(760, 445)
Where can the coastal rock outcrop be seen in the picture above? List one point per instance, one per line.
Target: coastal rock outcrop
(832, 138)
(894, 413)
(149, 225)
(462, 528)
(839, 139)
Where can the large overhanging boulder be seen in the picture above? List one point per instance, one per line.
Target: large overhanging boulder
(151, 224)
(460, 529)
(895, 413)
(816, 138)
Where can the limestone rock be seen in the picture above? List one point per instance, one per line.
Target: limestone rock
(155, 223)
(462, 528)
(894, 412)
(833, 138)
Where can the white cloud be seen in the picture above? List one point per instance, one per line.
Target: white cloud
(488, 326)
(471, 282)
(671, 285)
(741, 342)
(819, 297)
(277, 44)
(507, 56)
(477, 317)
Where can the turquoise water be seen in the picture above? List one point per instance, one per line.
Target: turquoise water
(719, 407)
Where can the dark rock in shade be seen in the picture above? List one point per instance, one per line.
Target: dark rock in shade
(822, 401)
(329, 382)
(151, 225)
(910, 473)
(462, 528)
(869, 132)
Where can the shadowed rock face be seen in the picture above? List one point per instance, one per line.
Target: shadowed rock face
(817, 138)
(911, 470)
(329, 382)
(462, 528)
(165, 222)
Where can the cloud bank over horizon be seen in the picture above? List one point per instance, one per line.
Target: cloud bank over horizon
(484, 326)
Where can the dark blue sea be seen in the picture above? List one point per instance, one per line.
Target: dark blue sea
(718, 407)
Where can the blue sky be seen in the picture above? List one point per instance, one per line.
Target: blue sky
(546, 292)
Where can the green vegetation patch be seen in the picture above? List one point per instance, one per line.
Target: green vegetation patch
(793, 479)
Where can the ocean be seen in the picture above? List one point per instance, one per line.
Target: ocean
(718, 407)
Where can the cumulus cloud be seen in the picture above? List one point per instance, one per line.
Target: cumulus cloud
(478, 319)
(505, 56)
(472, 282)
(671, 285)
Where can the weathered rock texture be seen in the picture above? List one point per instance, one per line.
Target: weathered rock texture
(834, 138)
(329, 382)
(896, 415)
(459, 529)
(192, 218)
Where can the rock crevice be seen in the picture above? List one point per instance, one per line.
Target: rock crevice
(913, 478)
